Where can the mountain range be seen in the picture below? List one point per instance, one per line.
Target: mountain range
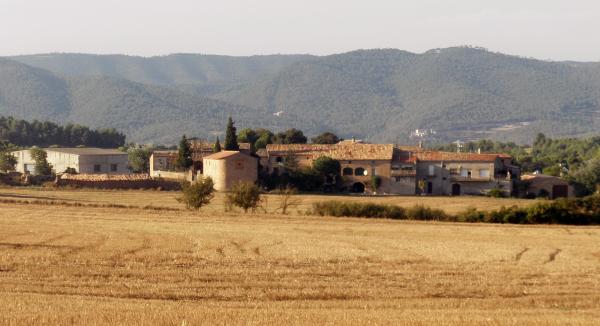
(379, 95)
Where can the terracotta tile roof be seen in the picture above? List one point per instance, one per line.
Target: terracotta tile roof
(342, 152)
(221, 155)
(451, 156)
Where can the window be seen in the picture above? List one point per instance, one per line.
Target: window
(453, 171)
(279, 159)
(484, 173)
(360, 172)
(464, 173)
(97, 168)
(347, 171)
(113, 168)
(431, 170)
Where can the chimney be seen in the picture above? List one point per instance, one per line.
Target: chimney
(420, 144)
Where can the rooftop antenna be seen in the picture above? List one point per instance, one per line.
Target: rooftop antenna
(459, 145)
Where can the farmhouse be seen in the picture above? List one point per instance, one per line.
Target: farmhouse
(547, 185)
(82, 160)
(229, 167)
(162, 163)
(402, 170)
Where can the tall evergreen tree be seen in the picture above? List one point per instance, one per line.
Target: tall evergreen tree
(231, 143)
(217, 146)
(184, 156)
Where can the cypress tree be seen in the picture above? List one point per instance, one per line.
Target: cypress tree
(217, 146)
(184, 156)
(231, 143)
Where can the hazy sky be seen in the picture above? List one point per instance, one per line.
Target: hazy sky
(545, 29)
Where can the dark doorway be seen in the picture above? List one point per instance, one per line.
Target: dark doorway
(358, 188)
(560, 191)
(455, 189)
(429, 188)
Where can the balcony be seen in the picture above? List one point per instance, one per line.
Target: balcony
(458, 178)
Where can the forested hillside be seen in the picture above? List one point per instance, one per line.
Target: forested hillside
(378, 95)
(148, 114)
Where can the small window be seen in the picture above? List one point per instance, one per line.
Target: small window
(347, 171)
(431, 170)
(279, 159)
(97, 168)
(360, 172)
(113, 168)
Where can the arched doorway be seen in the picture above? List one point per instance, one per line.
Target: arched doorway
(456, 189)
(358, 187)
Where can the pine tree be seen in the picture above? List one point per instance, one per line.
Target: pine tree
(184, 156)
(217, 146)
(231, 143)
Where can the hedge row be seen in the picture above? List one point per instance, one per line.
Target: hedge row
(580, 211)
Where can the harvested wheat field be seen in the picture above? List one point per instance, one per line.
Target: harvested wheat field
(168, 199)
(97, 265)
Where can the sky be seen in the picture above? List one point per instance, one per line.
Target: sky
(543, 29)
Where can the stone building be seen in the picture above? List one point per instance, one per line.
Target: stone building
(229, 167)
(547, 185)
(83, 160)
(402, 169)
(162, 162)
(447, 173)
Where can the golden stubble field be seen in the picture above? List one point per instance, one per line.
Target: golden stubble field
(94, 265)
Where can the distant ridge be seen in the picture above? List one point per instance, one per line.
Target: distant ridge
(380, 95)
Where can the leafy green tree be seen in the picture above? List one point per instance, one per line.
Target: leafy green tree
(245, 195)
(197, 194)
(326, 138)
(326, 166)
(8, 162)
(139, 159)
(265, 137)
(217, 146)
(231, 143)
(588, 176)
(40, 157)
(290, 136)
(184, 155)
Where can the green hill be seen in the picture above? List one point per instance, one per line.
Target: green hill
(380, 95)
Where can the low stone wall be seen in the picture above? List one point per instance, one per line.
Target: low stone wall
(116, 181)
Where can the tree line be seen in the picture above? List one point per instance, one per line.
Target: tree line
(23, 133)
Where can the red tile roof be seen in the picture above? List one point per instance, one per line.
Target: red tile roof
(341, 151)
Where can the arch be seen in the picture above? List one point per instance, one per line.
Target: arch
(360, 172)
(456, 189)
(347, 171)
(358, 187)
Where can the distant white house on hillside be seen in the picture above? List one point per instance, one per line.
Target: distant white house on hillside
(83, 160)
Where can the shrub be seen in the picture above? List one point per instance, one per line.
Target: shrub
(471, 214)
(197, 194)
(420, 212)
(245, 195)
(495, 193)
(287, 199)
(368, 210)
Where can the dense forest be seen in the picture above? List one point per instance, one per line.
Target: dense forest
(25, 134)
(376, 95)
